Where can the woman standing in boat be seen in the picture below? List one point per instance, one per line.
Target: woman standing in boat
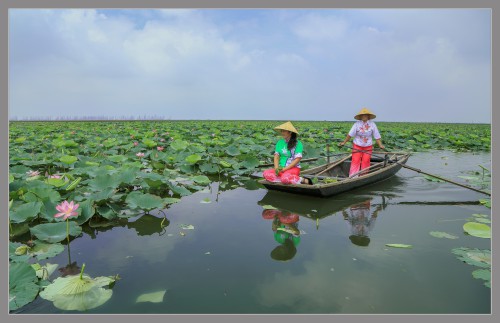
(287, 156)
(362, 131)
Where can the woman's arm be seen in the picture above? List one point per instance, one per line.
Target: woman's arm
(345, 140)
(376, 135)
(292, 164)
(379, 143)
(276, 161)
(350, 134)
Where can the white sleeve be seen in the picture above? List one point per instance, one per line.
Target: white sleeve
(376, 134)
(352, 132)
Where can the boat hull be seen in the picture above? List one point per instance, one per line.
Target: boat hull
(339, 187)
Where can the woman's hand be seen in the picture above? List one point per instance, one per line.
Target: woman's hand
(379, 143)
(341, 144)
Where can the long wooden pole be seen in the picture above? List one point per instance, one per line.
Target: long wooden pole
(305, 160)
(435, 176)
(371, 168)
(334, 164)
(444, 179)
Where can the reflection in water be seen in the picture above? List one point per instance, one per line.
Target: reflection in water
(285, 226)
(361, 221)
(70, 269)
(144, 225)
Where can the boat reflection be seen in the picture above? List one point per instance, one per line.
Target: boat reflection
(285, 226)
(359, 212)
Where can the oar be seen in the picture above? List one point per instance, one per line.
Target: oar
(443, 179)
(432, 175)
(338, 162)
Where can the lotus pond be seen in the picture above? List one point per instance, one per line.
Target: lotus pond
(170, 221)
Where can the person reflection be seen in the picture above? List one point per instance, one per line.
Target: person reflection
(361, 222)
(285, 226)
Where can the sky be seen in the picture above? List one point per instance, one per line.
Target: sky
(415, 65)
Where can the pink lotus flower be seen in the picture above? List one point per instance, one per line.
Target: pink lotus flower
(162, 140)
(66, 210)
(140, 155)
(135, 143)
(160, 148)
(55, 176)
(32, 173)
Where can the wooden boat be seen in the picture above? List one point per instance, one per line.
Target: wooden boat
(334, 178)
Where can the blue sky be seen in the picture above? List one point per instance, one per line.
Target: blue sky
(405, 65)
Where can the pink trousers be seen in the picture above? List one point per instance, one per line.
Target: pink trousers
(290, 176)
(359, 159)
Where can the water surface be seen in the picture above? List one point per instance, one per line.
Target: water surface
(337, 263)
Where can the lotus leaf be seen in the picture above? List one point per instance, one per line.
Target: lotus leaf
(439, 234)
(144, 201)
(479, 230)
(399, 245)
(475, 257)
(23, 286)
(155, 297)
(55, 232)
(193, 159)
(68, 159)
(78, 293)
(42, 250)
(25, 212)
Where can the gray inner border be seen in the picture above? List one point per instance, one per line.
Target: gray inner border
(5, 5)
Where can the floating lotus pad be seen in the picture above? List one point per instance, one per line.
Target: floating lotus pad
(399, 245)
(25, 212)
(201, 179)
(479, 230)
(42, 250)
(68, 159)
(155, 297)
(78, 292)
(55, 232)
(144, 201)
(193, 159)
(475, 257)
(23, 286)
(439, 234)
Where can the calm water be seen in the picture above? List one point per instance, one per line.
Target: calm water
(324, 269)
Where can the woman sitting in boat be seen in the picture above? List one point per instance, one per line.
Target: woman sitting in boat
(362, 131)
(287, 156)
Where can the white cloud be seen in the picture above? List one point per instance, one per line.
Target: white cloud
(188, 64)
(320, 28)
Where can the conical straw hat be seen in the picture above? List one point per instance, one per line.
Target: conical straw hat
(364, 111)
(286, 126)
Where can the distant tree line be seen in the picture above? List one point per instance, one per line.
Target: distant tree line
(87, 118)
